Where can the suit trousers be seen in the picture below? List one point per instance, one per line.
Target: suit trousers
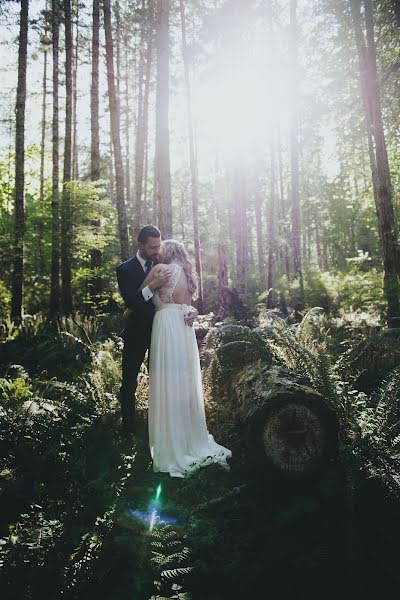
(137, 339)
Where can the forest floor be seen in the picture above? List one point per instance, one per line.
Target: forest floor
(85, 516)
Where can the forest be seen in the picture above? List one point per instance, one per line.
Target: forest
(264, 135)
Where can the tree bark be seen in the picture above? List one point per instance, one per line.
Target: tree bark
(149, 62)
(66, 212)
(294, 160)
(115, 134)
(259, 234)
(55, 226)
(163, 168)
(378, 158)
(42, 151)
(271, 225)
(193, 161)
(19, 212)
(140, 129)
(75, 164)
(240, 226)
(96, 284)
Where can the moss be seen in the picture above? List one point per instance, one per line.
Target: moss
(256, 385)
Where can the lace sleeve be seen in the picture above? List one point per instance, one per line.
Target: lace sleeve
(166, 291)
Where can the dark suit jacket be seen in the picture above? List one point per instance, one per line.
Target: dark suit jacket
(130, 276)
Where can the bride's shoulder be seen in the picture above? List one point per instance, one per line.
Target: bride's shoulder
(158, 268)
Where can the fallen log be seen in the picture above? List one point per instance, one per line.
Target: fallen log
(287, 427)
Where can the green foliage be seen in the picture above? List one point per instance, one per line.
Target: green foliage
(170, 560)
(302, 349)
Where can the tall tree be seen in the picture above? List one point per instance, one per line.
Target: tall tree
(75, 166)
(19, 211)
(378, 156)
(55, 226)
(240, 224)
(162, 166)
(145, 56)
(43, 143)
(271, 224)
(95, 253)
(259, 232)
(294, 159)
(115, 135)
(193, 160)
(66, 216)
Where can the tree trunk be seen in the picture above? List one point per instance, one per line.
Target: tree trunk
(94, 96)
(75, 165)
(140, 130)
(240, 226)
(127, 133)
(66, 213)
(55, 227)
(19, 213)
(294, 159)
(378, 158)
(163, 169)
(193, 161)
(42, 152)
(259, 234)
(115, 134)
(282, 212)
(271, 225)
(96, 284)
(288, 428)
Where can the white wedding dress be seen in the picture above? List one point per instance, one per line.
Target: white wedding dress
(178, 436)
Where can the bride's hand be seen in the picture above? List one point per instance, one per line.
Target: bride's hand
(191, 317)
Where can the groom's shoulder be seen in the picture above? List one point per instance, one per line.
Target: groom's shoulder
(127, 264)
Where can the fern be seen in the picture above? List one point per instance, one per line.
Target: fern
(298, 348)
(170, 559)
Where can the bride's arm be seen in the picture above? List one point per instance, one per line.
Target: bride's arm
(158, 276)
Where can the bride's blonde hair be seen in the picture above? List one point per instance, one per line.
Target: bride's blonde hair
(176, 251)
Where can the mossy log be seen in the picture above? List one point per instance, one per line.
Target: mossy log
(287, 426)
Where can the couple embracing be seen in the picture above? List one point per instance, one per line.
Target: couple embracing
(158, 286)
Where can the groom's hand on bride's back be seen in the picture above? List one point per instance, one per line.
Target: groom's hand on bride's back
(160, 278)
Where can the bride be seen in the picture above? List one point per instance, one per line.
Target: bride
(178, 437)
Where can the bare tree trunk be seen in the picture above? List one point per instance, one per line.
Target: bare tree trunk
(66, 213)
(75, 165)
(127, 136)
(193, 162)
(222, 278)
(271, 225)
(294, 159)
(282, 213)
(140, 138)
(163, 169)
(42, 152)
(115, 134)
(94, 96)
(241, 232)
(378, 158)
(259, 234)
(96, 284)
(19, 213)
(55, 210)
(149, 61)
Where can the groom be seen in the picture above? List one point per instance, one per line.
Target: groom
(137, 330)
